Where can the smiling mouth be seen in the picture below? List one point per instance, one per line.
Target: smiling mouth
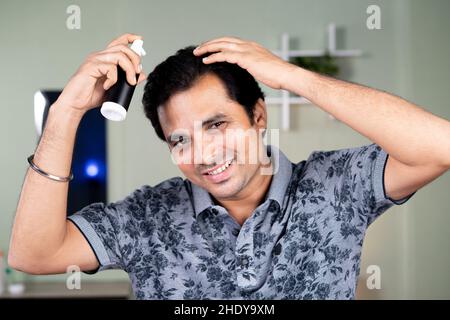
(220, 169)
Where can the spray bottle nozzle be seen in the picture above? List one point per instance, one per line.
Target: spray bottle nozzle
(136, 46)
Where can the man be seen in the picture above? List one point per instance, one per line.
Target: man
(229, 230)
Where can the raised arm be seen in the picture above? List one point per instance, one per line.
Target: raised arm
(418, 142)
(43, 241)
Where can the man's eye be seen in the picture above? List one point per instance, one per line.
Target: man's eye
(217, 124)
(181, 140)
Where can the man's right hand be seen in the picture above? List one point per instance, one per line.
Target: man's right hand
(86, 88)
(45, 248)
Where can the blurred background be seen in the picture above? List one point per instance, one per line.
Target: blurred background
(408, 56)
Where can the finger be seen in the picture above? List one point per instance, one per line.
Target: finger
(111, 75)
(108, 70)
(121, 59)
(142, 77)
(133, 56)
(224, 56)
(124, 39)
(227, 39)
(217, 46)
(221, 39)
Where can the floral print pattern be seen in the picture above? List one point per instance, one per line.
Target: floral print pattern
(303, 242)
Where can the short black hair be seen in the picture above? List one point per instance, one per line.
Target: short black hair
(180, 72)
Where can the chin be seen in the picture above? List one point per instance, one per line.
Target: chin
(228, 189)
(222, 194)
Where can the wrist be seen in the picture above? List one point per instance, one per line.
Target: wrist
(298, 80)
(58, 109)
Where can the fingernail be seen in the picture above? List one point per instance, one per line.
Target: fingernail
(205, 59)
(140, 68)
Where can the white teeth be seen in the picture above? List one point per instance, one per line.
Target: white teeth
(222, 168)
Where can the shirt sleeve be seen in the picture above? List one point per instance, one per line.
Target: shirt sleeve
(108, 228)
(359, 174)
(368, 164)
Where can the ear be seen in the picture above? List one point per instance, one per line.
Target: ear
(260, 114)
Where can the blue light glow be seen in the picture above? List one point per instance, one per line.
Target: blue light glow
(91, 169)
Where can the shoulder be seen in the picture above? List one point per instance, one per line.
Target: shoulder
(322, 157)
(172, 188)
(322, 167)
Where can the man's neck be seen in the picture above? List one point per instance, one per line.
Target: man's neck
(249, 199)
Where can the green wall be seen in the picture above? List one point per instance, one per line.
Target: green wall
(408, 56)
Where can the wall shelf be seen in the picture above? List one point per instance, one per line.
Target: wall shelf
(285, 100)
(89, 290)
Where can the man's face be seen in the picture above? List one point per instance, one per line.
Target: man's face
(211, 138)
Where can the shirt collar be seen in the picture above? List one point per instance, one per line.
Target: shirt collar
(283, 171)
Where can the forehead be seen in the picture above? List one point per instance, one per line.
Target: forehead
(207, 97)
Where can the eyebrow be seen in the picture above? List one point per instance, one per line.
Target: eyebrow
(205, 123)
(214, 118)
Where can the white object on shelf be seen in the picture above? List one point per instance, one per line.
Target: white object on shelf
(58, 290)
(16, 288)
(286, 100)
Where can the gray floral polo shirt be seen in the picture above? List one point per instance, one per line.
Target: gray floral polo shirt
(303, 242)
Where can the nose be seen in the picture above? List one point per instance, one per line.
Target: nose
(205, 151)
(209, 154)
